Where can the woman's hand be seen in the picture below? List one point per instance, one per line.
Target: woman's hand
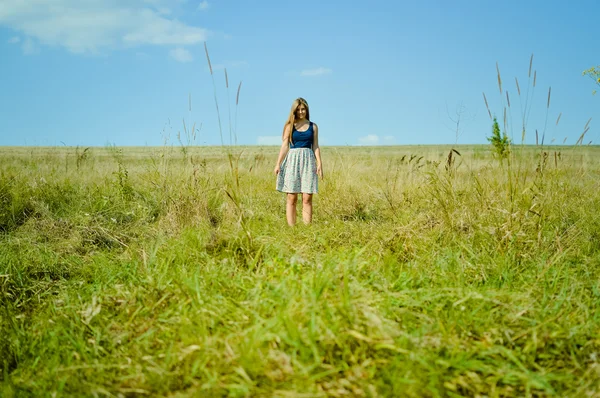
(277, 169)
(320, 171)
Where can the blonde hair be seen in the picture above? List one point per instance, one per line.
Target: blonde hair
(292, 117)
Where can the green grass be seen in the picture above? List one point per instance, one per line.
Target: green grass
(154, 271)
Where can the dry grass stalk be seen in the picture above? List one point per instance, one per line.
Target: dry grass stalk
(237, 101)
(530, 65)
(518, 88)
(549, 91)
(226, 79)
(449, 161)
(237, 97)
(499, 79)
(558, 119)
(208, 58)
(534, 77)
(487, 107)
(580, 140)
(507, 99)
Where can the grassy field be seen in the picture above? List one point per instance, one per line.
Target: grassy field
(171, 271)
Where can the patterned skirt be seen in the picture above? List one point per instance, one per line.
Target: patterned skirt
(298, 172)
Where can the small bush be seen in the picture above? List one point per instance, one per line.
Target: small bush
(499, 141)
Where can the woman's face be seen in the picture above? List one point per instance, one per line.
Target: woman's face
(301, 111)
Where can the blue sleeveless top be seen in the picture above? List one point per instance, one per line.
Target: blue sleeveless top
(303, 139)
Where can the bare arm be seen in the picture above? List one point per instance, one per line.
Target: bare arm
(285, 147)
(317, 151)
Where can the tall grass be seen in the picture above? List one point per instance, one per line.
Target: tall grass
(411, 281)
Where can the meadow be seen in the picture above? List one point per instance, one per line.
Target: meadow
(170, 271)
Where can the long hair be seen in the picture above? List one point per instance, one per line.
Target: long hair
(292, 117)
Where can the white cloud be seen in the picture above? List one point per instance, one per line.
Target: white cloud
(316, 72)
(181, 55)
(203, 6)
(14, 40)
(269, 140)
(94, 25)
(370, 139)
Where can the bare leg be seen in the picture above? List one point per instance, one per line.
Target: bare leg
(307, 208)
(290, 208)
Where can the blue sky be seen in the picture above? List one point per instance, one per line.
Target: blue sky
(98, 72)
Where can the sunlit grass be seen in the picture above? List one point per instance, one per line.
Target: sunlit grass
(127, 271)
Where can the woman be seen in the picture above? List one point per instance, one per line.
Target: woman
(299, 162)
